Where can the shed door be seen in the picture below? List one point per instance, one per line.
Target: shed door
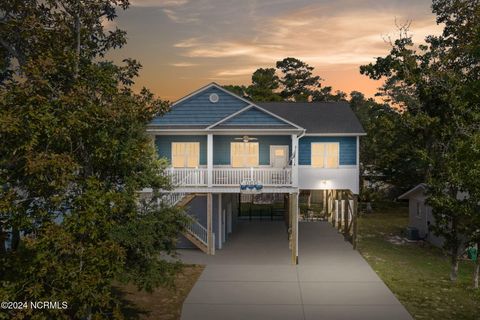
(279, 156)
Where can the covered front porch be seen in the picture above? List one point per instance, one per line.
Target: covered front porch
(223, 176)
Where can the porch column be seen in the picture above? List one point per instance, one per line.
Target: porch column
(210, 239)
(220, 231)
(357, 176)
(295, 160)
(210, 160)
(294, 226)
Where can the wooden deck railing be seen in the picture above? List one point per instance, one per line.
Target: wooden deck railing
(192, 177)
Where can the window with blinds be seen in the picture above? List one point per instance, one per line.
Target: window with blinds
(185, 154)
(244, 154)
(325, 155)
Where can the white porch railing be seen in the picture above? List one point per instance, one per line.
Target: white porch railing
(197, 177)
(188, 176)
(266, 176)
(198, 231)
(171, 198)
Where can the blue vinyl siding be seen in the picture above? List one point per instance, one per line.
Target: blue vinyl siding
(164, 146)
(221, 147)
(198, 110)
(348, 149)
(254, 116)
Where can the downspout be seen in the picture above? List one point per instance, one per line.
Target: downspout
(295, 153)
(302, 134)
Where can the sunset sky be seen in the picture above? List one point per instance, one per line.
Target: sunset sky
(185, 44)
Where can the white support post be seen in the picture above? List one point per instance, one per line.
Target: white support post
(344, 207)
(337, 212)
(295, 160)
(209, 160)
(350, 212)
(210, 235)
(357, 176)
(220, 231)
(293, 206)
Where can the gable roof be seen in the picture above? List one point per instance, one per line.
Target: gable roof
(197, 110)
(318, 117)
(254, 117)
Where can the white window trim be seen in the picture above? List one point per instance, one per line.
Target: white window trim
(325, 155)
(258, 155)
(186, 158)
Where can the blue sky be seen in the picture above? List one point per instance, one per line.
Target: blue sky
(184, 44)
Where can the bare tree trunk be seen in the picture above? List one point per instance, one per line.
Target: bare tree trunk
(455, 248)
(77, 49)
(454, 265)
(476, 269)
(2, 240)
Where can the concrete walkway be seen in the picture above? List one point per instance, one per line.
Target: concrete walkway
(251, 278)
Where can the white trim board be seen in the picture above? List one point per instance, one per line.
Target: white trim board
(229, 117)
(258, 108)
(222, 132)
(250, 104)
(340, 134)
(211, 84)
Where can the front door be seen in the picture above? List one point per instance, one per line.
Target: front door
(279, 156)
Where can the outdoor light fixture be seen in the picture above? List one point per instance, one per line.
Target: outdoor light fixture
(324, 184)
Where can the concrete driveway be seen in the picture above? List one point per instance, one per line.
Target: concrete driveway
(251, 278)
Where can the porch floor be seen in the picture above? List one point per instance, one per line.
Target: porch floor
(252, 278)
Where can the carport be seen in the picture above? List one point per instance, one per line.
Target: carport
(252, 278)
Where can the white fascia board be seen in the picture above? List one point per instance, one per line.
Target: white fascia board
(334, 134)
(229, 117)
(254, 131)
(222, 131)
(252, 105)
(413, 190)
(211, 84)
(177, 131)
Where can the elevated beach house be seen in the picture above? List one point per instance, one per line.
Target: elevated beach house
(221, 146)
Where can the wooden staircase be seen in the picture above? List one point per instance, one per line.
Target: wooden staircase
(194, 231)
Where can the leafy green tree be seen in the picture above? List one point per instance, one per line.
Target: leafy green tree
(264, 84)
(436, 85)
(298, 82)
(74, 155)
(238, 90)
(325, 94)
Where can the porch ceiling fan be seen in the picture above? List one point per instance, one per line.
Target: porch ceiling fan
(246, 139)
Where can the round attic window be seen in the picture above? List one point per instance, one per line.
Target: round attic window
(213, 98)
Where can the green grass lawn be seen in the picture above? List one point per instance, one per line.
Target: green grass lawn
(417, 274)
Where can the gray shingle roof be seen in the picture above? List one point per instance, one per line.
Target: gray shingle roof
(317, 117)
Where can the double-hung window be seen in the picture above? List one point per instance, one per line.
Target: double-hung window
(244, 154)
(325, 155)
(185, 154)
